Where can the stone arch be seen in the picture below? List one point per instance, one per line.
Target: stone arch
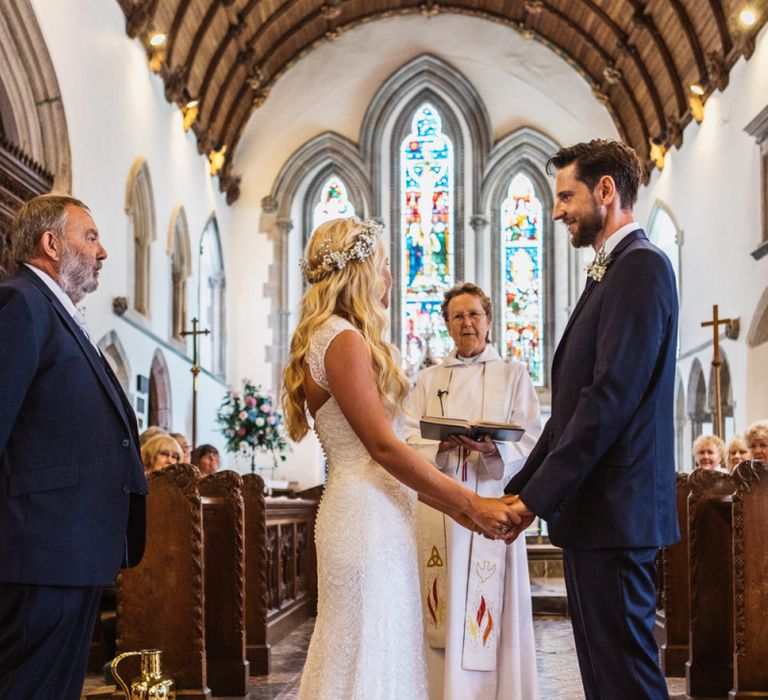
(211, 298)
(680, 419)
(697, 399)
(669, 241)
(113, 350)
(159, 392)
(140, 208)
(525, 151)
(179, 250)
(37, 123)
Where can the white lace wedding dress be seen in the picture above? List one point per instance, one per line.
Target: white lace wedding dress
(368, 641)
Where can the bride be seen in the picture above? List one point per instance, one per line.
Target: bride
(368, 638)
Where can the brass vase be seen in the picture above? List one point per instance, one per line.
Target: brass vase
(151, 684)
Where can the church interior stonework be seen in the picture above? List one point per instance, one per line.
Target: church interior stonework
(210, 138)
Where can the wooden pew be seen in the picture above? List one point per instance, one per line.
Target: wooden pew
(750, 542)
(257, 651)
(224, 569)
(161, 602)
(675, 590)
(291, 565)
(709, 670)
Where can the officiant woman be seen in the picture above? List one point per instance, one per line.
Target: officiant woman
(477, 602)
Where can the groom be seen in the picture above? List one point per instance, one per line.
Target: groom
(602, 473)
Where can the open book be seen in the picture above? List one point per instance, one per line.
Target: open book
(435, 428)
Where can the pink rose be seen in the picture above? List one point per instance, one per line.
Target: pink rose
(242, 415)
(250, 401)
(271, 420)
(241, 432)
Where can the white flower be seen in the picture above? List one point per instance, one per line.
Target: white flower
(259, 422)
(596, 269)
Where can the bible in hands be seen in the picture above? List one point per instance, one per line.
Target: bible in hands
(436, 428)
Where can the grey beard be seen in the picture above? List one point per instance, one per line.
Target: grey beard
(77, 276)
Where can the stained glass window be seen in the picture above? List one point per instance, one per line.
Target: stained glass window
(521, 233)
(426, 217)
(334, 203)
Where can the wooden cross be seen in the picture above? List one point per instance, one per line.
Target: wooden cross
(195, 333)
(717, 361)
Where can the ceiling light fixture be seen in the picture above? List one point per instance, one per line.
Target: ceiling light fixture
(747, 17)
(696, 89)
(190, 111)
(157, 39)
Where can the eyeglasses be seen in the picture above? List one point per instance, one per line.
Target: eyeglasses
(471, 315)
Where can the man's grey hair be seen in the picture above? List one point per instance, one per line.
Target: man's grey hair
(47, 212)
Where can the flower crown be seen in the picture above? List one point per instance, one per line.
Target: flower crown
(365, 243)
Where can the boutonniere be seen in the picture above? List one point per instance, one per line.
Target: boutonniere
(596, 269)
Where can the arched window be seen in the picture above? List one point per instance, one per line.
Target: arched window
(211, 286)
(333, 203)
(140, 207)
(428, 229)
(522, 303)
(665, 234)
(181, 269)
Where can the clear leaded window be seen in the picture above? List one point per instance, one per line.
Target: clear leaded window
(333, 204)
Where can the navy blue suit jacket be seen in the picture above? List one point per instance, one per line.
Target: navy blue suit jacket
(602, 474)
(71, 480)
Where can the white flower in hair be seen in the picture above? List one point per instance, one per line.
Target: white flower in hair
(365, 243)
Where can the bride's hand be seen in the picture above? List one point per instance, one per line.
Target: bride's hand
(494, 517)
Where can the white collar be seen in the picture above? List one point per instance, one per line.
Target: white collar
(488, 354)
(66, 302)
(617, 236)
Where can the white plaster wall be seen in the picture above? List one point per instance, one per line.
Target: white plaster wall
(522, 83)
(116, 111)
(712, 188)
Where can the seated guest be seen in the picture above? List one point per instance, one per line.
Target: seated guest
(757, 440)
(184, 445)
(150, 432)
(738, 451)
(709, 453)
(159, 452)
(206, 459)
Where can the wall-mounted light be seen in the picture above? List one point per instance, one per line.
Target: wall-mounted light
(217, 159)
(190, 110)
(697, 107)
(155, 42)
(747, 17)
(658, 151)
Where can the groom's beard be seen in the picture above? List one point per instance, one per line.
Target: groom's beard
(588, 228)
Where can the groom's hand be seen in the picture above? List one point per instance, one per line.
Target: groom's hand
(526, 516)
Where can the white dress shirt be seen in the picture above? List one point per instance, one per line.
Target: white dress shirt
(617, 236)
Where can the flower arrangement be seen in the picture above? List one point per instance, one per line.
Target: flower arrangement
(596, 269)
(252, 423)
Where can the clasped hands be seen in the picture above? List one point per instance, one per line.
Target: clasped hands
(501, 518)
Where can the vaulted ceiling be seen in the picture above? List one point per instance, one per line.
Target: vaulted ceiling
(641, 57)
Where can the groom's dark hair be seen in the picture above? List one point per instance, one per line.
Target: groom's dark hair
(603, 157)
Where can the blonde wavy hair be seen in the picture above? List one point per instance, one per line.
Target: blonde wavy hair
(354, 293)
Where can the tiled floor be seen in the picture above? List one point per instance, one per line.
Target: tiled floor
(558, 671)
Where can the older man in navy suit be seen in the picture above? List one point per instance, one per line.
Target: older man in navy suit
(71, 481)
(602, 473)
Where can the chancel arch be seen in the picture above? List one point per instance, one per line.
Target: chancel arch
(159, 392)
(140, 208)
(113, 350)
(211, 288)
(179, 249)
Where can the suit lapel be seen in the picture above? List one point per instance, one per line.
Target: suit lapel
(635, 235)
(89, 351)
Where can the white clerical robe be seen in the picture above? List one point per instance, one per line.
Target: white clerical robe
(500, 391)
